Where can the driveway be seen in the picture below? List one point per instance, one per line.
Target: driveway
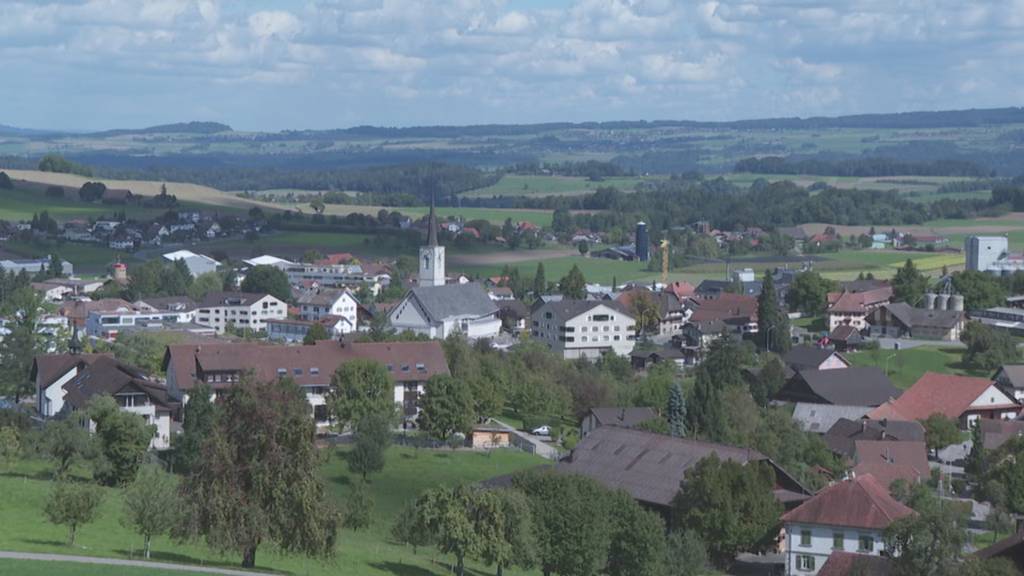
(535, 444)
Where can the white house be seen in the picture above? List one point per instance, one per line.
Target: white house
(318, 304)
(108, 325)
(240, 309)
(584, 328)
(66, 383)
(849, 516)
(437, 311)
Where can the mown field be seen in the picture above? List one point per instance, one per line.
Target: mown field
(47, 568)
(364, 553)
(906, 366)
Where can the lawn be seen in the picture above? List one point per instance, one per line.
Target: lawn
(530, 185)
(366, 553)
(906, 366)
(594, 269)
(87, 258)
(37, 568)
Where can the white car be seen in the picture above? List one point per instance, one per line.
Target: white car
(542, 431)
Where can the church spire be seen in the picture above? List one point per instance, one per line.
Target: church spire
(432, 223)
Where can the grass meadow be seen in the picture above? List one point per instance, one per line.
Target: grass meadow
(369, 552)
(906, 366)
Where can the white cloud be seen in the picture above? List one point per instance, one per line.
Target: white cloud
(274, 23)
(512, 23)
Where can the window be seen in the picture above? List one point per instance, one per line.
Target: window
(805, 537)
(600, 318)
(805, 563)
(297, 371)
(866, 543)
(281, 372)
(837, 540)
(314, 371)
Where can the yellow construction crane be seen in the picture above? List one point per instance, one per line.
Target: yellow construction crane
(664, 261)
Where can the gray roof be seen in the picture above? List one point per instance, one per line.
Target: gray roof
(819, 418)
(321, 297)
(1012, 374)
(856, 386)
(567, 309)
(912, 317)
(804, 356)
(841, 438)
(625, 417)
(451, 300)
(214, 299)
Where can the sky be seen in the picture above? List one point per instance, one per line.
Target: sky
(295, 64)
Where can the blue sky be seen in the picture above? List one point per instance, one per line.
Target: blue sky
(277, 64)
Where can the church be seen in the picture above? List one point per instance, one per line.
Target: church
(438, 309)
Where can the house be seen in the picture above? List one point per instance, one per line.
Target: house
(681, 289)
(715, 288)
(441, 310)
(318, 304)
(51, 292)
(852, 308)
(695, 338)
(165, 304)
(410, 365)
(489, 436)
(108, 325)
(666, 308)
(513, 315)
(641, 359)
(243, 310)
(855, 386)
(78, 311)
(962, 398)
(197, 263)
(584, 328)
(842, 437)
(806, 357)
(995, 433)
(1006, 318)
(628, 417)
(738, 313)
(1010, 379)
(1010, 548)
(290, 330)
(900, 319)
(821, 418)
(891, 460)
(651, 466)
(500, 293)
(853, 564)
(846, 338)
(66, 383)
(848, 516)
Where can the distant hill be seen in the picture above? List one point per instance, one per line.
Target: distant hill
(6, 130)
(176, 128)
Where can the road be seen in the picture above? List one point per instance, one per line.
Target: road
(540, 445)
(121, 562)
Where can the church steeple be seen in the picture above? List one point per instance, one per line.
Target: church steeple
(432, 223)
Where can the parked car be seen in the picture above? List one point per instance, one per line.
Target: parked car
(544, 430)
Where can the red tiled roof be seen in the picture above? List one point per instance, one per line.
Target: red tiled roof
(947, 394)
(858, 302)
(725, 306)
(681, 289)
(861, 502)
(334, 259)
(850, 563)
(890, 460)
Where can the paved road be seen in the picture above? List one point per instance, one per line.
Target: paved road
(540, 445)
(121, 562)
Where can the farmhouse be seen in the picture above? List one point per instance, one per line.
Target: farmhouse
(891, 460)
(857, 386)
(961, 398)
(318, 304)
(852, 308)
(813, 358)
(900, 319)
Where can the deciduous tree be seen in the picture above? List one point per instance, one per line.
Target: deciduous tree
(315, 333)
(373, 436)
(358, 512)
(267, 279)
(360, 388)
(446, 407)
(573, 285)
(73, 504)
(65, 442)
(909, 284)
(122, 440)
(151, 505)
(940, 431)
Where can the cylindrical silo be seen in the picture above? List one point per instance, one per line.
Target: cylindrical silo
(942, 302)
(929, 301)
(956, 302)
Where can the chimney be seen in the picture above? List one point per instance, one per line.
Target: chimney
(341, 340)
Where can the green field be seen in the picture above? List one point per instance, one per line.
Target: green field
(38, 568)
(366, 553)
(18, 205)
(529, 185)
(906, 366)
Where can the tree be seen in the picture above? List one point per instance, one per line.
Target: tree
(730, 504)
(686, 555)
(768, 382)
(505, 523)
(447, 514)
(373, 436)
(979, 289)
(410, 527)
(204, 284)
(73, 504)
(19, 348)
(540, 283)
(988, 348)
(257, 479)
(315, 333)
(929, 543)
(705, 416)
(5, 182)
(940, 431)
(975, 463)
(637, 540)
(561, 222)
(573, 285)
(909, 284)
(772, 322)
(809, 293)
(269, 280)
(318, 206)
(151, 504)
(446, 407)
(645, 311)
(358, 512)
(360, 388)
(10, 445)
(583, 247)
(56, 267)
(676, 411)
(198, 423)
(122, 438)
(65, 442)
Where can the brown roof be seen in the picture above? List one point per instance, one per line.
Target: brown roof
(650, 466)
(841, 438)
(406, 361)
(79, 310)
(681, 289)
(625, 417)
(858, 302)
(724, 307)
(947, 394)
(46, 368)
(107, 375)
(852, 564)
(664, 301)
(996, 432)
(889, 460)
(805, 356)
(861, 502)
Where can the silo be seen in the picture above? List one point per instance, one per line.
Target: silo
(956, 302)
(942, 301)
(929, 300)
